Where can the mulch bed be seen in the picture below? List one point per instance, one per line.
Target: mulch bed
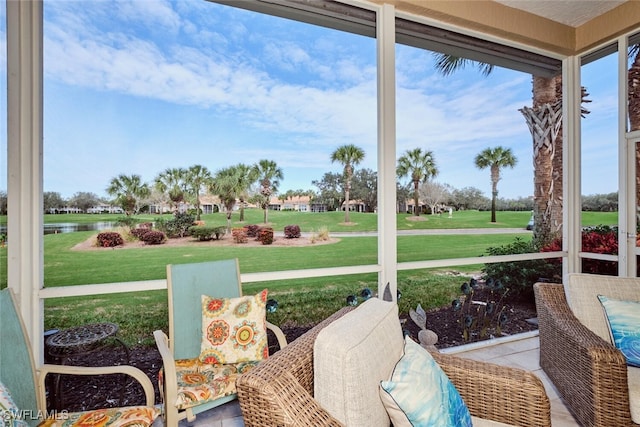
(83, 393)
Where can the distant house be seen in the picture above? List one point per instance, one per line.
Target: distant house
(212, 204)
(104, 208)
(355, 206)
(295, 203)
(208, 204)
(65, 210)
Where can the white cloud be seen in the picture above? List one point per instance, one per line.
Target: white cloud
(300, 90)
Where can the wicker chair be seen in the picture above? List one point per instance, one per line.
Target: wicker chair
(588, 371)
(280, 391)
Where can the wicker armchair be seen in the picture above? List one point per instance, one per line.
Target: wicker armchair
(589, 372)
(279, 391)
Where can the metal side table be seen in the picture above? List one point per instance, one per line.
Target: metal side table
(78, 341)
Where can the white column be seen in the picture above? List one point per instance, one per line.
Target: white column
(572, 97)
(387, 229)
(626, 174)
(24, 140)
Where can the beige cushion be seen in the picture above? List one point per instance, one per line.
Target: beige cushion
(479, 422)
(582, 292)
(633, 378)
(351, 356)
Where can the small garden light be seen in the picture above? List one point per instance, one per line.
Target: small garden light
(272, 305)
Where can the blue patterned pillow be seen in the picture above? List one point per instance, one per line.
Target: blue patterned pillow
(419, 393)
(623, 318)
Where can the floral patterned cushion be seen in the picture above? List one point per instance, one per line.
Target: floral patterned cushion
(130, 416)
(8, 409)
(199, 382)
(234, 329)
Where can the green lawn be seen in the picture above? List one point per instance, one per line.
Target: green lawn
(333, 221)
(301, 301)
(148, 263)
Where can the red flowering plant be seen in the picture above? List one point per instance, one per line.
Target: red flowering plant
(600, 239)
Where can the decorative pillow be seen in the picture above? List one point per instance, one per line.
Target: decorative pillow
(420, 393)
(234, 329)
(623, 318)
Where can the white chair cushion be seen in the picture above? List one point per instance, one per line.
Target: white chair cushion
(633, 378)
(479, 422)
(582, 292)
(351, 356)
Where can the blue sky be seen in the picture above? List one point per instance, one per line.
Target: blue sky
(141, 86)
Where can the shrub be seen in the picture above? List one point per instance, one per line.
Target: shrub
(519, 276)
(239, 235)
(154, 237)
(321, 235)
(265, 236)
(139, 232)
(109, 239)
(201, 233)
(178, 226)
(219, 231)
(204, 233)
(601, 239)
(252, 230)
(291, 232)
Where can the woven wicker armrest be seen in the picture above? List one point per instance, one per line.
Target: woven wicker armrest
(508, 395)
(589, 373)
(279, 391)
(272, 396)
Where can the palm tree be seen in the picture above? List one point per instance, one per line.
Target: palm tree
(544, 119)
(228, 184)
(171, 181)
(268, 175)
(349, 155)
(127, 190)
(419, 166)
(196, 177)
(495, 159)
(246, 176)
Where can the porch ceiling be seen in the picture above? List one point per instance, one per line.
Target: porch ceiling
(569, 12)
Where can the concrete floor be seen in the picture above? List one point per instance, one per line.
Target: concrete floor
(521, 353)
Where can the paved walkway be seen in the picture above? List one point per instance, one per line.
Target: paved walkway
(439, 231)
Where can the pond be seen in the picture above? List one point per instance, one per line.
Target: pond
(70, 227)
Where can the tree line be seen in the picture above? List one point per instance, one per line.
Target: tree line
(241, 184)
